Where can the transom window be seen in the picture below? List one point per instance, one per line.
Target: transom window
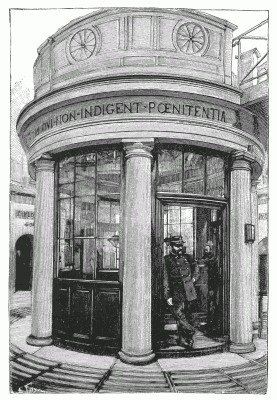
(89, 214)
(182, 171)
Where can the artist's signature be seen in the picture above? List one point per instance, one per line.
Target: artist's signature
(29, 389)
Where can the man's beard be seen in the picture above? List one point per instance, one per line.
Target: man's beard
(178, 252)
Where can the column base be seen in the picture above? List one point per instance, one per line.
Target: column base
(141, 359)
(39, 341)
(241, 348)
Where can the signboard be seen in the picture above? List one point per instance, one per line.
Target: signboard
(116, 107)
(22, 214)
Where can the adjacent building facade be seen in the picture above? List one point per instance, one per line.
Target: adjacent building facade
(22, 200)
(137, 132)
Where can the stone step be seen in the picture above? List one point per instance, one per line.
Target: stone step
(43, 362)
(15, 351)
(71, 378)
(19, 367)
(53, 382)
(196, 379)
(132, 376)
(25, 363)
(52, 377)
(131, 390)
(134, 385)
(80, 373)
(80, 368)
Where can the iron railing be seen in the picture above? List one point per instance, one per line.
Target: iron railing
(258, 70)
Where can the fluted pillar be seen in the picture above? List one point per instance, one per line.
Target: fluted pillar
(136, 308)
(41, 329)
(255, 258)
(240, 256)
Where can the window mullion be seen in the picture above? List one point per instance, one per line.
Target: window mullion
(73, 216)
(205, 175)
(194, 221)
(183, 171)
(180, 219)
(95, 215)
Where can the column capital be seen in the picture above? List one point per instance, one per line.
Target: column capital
(242, 160)
(45, 163)
(138, 149)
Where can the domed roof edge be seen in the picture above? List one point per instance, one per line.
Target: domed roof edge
(113, 10)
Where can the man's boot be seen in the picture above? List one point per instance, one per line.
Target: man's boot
(187, 343)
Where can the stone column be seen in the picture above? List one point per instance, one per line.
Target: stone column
(255, 259)
(41, 329)
(240, 256)
(136, 308)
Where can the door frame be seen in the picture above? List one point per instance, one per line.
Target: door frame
(27, 239)
(162, 199)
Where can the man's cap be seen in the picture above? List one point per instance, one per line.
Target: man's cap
(175, 240)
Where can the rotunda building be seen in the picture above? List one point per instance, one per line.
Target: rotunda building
(136, 133)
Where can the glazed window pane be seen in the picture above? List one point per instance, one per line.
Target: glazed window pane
(65, 254)
(66, 218)
(178, 221)
(66, 191)
(215, 177)
(85, 175)
(84, 223)
(107, 255)
(194, 173)
(108, 173)
(89, 208)
(85, 257)
(108, 218)
(66, 170)
(170, 171)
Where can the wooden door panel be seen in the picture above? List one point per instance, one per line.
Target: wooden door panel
(81, 310)
(87, 312)
(61, 306)
(107, 313)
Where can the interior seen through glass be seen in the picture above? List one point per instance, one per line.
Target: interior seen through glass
(89, 215)
(186, 172)
(199, 227)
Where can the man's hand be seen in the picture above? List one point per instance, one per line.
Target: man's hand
(169, 301)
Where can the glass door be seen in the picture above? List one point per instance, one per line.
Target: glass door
(201, 229)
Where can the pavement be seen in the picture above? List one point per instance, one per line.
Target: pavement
(52, 369)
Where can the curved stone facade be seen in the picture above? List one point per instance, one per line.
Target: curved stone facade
(135, 78)
(145, 80)
(141, 41)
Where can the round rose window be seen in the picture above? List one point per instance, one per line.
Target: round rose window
(190, 38)
(82, 45)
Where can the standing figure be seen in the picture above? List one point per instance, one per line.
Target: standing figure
(180, 273)
(213, 283)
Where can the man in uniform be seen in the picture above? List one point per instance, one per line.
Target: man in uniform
(180, 273)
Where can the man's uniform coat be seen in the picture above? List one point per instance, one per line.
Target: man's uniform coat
(178, 275)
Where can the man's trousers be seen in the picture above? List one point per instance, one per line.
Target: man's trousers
(182, 312)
